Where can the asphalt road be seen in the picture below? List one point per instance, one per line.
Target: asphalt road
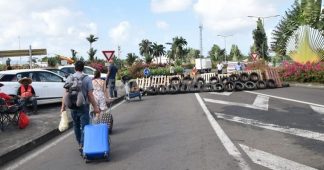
(282, 129)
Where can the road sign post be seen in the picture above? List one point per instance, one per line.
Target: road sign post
(108, 54)
(146, 72)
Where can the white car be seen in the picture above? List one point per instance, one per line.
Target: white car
(87, 70)
(48, 86)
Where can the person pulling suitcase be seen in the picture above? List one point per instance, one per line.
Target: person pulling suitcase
(78, 96)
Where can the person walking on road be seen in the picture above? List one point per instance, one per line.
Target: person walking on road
(82, 84)
(100, 92)
(111, 79)
(220, 68)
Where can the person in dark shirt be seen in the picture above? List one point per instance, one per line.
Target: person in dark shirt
(26, 94)
(111, 79)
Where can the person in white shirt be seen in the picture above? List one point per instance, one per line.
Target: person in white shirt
(220, 68)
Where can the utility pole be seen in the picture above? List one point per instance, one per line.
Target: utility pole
(201, 47)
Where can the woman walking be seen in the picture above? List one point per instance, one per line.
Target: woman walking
(100, 93)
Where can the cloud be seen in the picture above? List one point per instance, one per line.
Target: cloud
(230, 16)
(162, 25)
(161, 6)
(48, 25)
(120, 33)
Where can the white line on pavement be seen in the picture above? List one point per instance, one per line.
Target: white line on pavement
(228, 144)
(283, 98)
(272, 161)
(221, 93)
(262, 102)
(48, 146)
(235, 104)
(288, 130)
(317, 109)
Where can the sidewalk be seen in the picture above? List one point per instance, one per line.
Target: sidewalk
(14, 142)
(308, 85)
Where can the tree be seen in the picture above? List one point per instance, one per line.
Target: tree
(216, 53)
(158, 50)
(193, 54)
(92, 39)
(131, 58)
(145, 48)
(92, 52)
(74, 58)
(260, 41)
(235, 54)
(178, 48)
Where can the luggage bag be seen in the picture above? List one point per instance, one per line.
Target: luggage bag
(96, 144)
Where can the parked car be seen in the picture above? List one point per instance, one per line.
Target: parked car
(58, 71)
(87, 70)
(48, 86)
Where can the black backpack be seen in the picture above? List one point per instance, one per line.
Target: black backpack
(75, 98)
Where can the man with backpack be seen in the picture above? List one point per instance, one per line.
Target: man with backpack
(78, 96)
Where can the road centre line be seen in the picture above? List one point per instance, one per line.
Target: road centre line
(235, 104)
(48, 146)
(283, 98)
(221, 93)
(272, 161)
(228, 144)
(293, 131)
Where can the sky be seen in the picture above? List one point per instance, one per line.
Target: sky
(62, 25)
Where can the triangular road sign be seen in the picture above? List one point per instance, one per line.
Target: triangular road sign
(254, 56)
(108, 54)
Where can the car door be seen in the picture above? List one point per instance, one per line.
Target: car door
(38, 88)
(53, 84)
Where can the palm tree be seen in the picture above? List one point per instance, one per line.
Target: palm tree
(74, 58)
(92, 52)
(158, 51)
(177, 49)
(131, 58)
(92, 39)
(145, 48)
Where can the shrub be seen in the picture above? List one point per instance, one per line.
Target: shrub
(309, 72)
(178, 70)
(258, 65)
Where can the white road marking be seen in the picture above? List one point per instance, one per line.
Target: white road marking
(228, 144)
(18, 163)
(317, 109)
(235, 104)
(283, 129)
(262, 102)
(288, 99)
(222, 93)
(272, 161)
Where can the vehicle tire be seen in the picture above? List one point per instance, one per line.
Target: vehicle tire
(254, 77)
(229, 86)
(261, 84)
(213, 80)
(152, 91)
(218, 87)
(244, 77)
(175, 80)
(162, 89)
(173, 89)
(224, 80)
(234, 77)
(111, 124)
(250, 85)
(271, 84)
(207, 88)
(239, 86)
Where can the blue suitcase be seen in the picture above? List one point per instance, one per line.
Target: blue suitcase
(96, 142)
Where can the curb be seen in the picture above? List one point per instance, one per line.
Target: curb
(307, 85)
(14, 154)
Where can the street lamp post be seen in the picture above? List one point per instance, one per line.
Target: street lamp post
(224, 37)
